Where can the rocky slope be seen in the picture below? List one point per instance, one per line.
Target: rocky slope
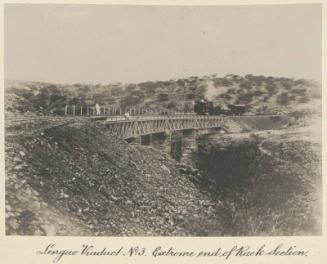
(75, 179)
(266, 182)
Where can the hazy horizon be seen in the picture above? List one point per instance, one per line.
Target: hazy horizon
(154, 80)
(131, 44)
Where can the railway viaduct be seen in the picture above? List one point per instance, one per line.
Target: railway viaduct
(176, 134)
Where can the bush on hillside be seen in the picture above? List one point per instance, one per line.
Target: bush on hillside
(163, 97)
(283, 99)
(130, 100)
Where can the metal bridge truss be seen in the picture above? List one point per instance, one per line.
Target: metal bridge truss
(138, 127)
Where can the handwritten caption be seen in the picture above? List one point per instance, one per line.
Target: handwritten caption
(89, 250)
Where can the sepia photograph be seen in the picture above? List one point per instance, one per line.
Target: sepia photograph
(156, 120)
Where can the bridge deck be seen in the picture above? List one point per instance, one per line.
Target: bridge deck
(134, 126)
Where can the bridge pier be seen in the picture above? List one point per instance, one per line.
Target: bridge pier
(146, 140)
(176, 145)
(189, 145)
(162, 141)
(183, 145)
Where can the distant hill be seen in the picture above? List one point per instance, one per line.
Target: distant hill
(261, 94)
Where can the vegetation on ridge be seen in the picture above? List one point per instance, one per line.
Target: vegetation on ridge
(261, 94)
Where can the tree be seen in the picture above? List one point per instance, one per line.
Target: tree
(224, 96)
(283, 99)
(130, 100)
(46, 97)
(258, 93)
(98, 98)
(246, 85)
(271, 88)
(244, 98)
(180, 82)
(138, 93)
(171, 104)
(116, 90)
(287, 84)
(83, 90)
(300, 91)
(39, 101)
(226, 82)
(163, 97)
(74, 101)
(22, 92)
(190, 96)
(130, 87)
(304, 98)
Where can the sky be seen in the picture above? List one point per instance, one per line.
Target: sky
(106, 44)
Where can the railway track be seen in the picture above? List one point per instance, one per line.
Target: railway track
(35, 124)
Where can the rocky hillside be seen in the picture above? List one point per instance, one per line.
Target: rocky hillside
(267, 182)
(260, 93)
(76, 179)
(73, 178)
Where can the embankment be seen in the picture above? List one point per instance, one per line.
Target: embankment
(241, 124)
(78, 180)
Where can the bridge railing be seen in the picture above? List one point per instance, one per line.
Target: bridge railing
(156, 117)
(88, 110)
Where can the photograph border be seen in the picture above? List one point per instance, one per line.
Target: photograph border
(23, 249)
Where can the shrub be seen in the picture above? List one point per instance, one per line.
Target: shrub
(246, 85)
(171, 104)
(163, 97)
(283, 99)
(130, 100)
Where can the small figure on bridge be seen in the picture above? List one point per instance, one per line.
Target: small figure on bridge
(127, 116)
(97, 109)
